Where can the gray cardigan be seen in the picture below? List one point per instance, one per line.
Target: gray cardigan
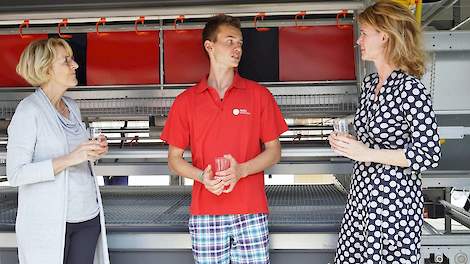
(35, 138)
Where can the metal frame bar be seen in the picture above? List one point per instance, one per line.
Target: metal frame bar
(172, 90)
(93, 14)
(447, 219)
(447, 40)
(456, 16)
(161, 49)
(162, 169)
(155, 25)
(146, 241)
(360, 64)
(456, 213)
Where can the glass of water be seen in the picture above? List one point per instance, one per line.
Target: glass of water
(94, 133)
(340, 126)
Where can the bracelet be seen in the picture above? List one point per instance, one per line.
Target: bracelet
(200, 177)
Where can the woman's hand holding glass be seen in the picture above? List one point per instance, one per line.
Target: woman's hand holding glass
(96, 134)
(346, 145)
(90, 150)
(103, 143)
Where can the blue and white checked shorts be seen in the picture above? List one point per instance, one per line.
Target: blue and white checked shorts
(236, 239)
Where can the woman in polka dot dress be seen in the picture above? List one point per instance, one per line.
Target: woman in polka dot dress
(396, 140)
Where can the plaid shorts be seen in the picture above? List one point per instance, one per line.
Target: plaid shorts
(236, 239)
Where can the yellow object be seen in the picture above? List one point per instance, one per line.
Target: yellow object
(442, 141)
(415, 5)
(314, 179)
(419, 9)
(407, 3)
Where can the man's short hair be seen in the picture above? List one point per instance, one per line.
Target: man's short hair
(212, 26)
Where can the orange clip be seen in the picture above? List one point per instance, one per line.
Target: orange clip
(101, 21)
(343, 13)
(64, 23)
(261, 16)
(180, 19)
(23, 25)
(140, 20)
(302, 15)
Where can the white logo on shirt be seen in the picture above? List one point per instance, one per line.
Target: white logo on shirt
(240, 111)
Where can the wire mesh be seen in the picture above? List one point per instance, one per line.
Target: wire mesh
(316, 104)
(312, 105)
(290, 105)
(159, 106)
(290, 205)
(7, 108)
(8, 207)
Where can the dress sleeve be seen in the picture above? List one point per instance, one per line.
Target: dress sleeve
(423, 152)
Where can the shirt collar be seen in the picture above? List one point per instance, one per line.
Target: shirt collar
(236, 83)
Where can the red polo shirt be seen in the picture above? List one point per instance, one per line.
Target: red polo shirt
(238, 125)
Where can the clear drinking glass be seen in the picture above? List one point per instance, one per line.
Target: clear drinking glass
(340, 126)
(95, 133)
(221, 164)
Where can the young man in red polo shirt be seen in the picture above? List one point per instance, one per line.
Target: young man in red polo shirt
(225, 115)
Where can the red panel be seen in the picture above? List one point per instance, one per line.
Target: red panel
(11, 47)
(123, 58)
(316, 53)
(185, 60)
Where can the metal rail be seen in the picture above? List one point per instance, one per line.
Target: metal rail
(456, 213)
(91, 12)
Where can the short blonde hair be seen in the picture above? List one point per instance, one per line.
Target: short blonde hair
(37, 58)
(405, 45)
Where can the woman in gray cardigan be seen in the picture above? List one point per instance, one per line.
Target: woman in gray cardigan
(60, 215)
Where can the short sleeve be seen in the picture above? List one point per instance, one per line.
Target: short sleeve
(424, 150)
(272, 121)
(176, 129)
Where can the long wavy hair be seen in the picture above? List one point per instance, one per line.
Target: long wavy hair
(405, 44)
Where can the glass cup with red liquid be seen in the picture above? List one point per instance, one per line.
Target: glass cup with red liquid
(221, 164)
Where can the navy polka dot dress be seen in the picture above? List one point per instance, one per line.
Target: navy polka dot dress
(384, 214)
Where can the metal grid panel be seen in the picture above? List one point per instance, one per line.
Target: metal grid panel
(8, 206)
(7, 108)
(126, 106)
(305, 204)
(292, 206)
(291, 105)
(311, 105)
(146, 205)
